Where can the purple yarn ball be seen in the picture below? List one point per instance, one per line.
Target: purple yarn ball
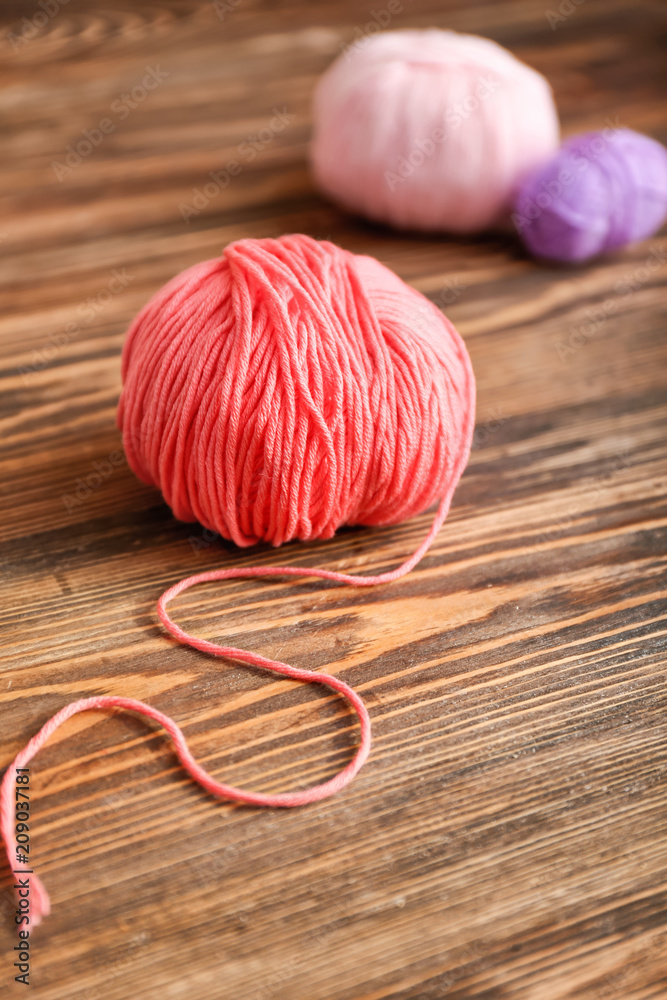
(601, 191)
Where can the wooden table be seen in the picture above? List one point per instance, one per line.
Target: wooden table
(507, 837)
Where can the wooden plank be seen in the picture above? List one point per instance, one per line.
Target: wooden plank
(507, 837)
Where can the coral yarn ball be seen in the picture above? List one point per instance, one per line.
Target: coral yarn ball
(601, 191)
(430, 130)
(289, 387)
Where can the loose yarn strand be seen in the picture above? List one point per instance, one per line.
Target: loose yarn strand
(40, 905)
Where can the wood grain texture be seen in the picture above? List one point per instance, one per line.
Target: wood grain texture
(506, 840)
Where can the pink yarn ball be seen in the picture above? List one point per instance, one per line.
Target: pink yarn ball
(430, 130)
(290, 387)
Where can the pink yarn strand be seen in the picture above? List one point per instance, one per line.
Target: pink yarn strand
(40, 905)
